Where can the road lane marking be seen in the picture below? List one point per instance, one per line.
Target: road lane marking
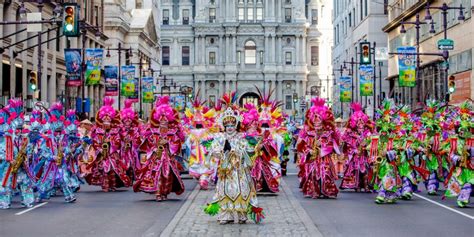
(446, 207)
(31, 208)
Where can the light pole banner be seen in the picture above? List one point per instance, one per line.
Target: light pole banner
(147, 90)
(73, 66)
(128, 80)
(111, 80)
(366, 80)
(93, 65)
(134, 97)
(345, 89)
(406, 66)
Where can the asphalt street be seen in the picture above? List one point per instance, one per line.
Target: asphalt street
(356, 214)
(95, 213)
(125, 213)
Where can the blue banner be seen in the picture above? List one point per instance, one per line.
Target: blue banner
(111, 80)
(345, 89)
(128, 81)
(73, 66)
(406, 66)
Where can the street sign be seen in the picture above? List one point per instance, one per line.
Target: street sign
(34, 16)
(381, 53)
(445, 44)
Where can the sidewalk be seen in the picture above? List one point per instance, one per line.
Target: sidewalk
(284, 217)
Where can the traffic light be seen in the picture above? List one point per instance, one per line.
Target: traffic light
(451, 85)
(365, 53)
(71, 20)
(295, 98)
(33, 80)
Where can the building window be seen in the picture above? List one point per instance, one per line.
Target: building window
(96, 15)
(361, 10)
(165, 55)
(366, 8)
(250, 52)
(288, 102)
(288, 1)
(259, 14)
(185, 17)
(287, 15)
(238, 57)
(212, 58)
(350, 19)
(185, 55)
(314, 16)
(212, 15)
(261, 57)
(166, 17)
(288, 58)
(241, 14)
(314, 55)
(250, 14)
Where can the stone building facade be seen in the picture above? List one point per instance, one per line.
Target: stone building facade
(237, 45)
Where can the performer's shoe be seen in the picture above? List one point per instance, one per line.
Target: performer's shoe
(379, 200)
(28, 205)
(224, 222)
(461, 204)
(159, 198)
(70, 199)
(432, 193)
(407, 196)
(164, 197)
(4, 207)
(242, 221)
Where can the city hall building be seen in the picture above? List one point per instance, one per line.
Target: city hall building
(237, 45)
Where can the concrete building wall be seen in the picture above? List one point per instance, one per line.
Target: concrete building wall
(355, 22)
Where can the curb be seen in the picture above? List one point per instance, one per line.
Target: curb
(154, 231)
(308, 223)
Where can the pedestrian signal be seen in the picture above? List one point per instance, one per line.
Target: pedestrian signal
(71, 20)
(365, 53)
(33, 80)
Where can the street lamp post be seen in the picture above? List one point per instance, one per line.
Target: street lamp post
(444, 10)
(119, 49)
(340, 70)
(417, 23)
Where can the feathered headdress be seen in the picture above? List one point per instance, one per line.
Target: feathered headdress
(199, 114)
(71, 122)
(231, 115)
(319, 113)
(107, 110)
(4, 114)
(16, 116)
(128, 112)
(357, 115)
(36, 120)
(384, 122)
(250, 114)
(162, 111)
(55, 117)
(270, 111)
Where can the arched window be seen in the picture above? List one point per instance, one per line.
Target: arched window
(250, 52)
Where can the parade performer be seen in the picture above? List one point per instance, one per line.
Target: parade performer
(4, 164)
(435, 160)
(318, 140)
(55, 173)
(383, 155)
(267, 164)
(200, 118)
(235, 194)
(74, 150)
(107, 168)
(355, 140)
(460, 152)
(130, 137)
(36, 140)
(15, 170)
(162, 142)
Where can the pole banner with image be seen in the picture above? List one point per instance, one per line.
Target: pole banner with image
(406, 66)
(128, 80)
(93, 65)
(111, 80)
(73, 66)
(134, 97)
(147, 90)
(345, 89)
(366, 80)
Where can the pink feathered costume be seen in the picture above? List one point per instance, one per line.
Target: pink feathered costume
(130, 137)
(162, 142)
(317, 141)
(107, 169)
(358, 128)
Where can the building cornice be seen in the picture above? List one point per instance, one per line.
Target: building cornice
(406, 15)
